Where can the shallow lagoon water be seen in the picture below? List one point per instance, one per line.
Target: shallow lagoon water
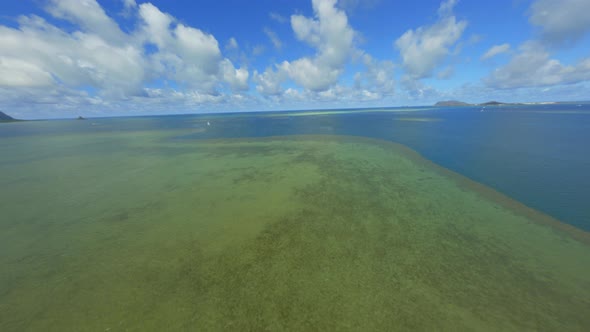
(157, 227)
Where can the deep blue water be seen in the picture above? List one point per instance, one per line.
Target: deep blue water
(538, 155)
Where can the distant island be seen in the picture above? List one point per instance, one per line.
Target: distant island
(461, 103)
(6, 118)
(455, 103)
(452, 103)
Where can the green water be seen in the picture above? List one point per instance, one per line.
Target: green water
(133, 231)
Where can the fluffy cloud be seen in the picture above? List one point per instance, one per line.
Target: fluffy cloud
(377, 80)
(88, 15)
(188, 55)
(425, 48)
(311, 74)
(330, 34)
(563, 21)
(96, 55)
(533, 67)
(39, 54)
(15, 72)
(184, 54)
(336, 94)
(274, 38)
(128, 4)
(416, 90)
(350, 6)
(269, 82)
(332, 37)
(236, 78)
(495, 50)
(59, 101)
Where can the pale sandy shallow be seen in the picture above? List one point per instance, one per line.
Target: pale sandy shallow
(419, 119)
(137, 232)
(335, 112)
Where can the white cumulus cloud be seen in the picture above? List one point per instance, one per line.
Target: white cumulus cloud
(52, 56)
(236, 78)
(332, 37)
(533, 67)
(269, 82)
(495, 50)
(15, 72)
(88, 15)
(377, 81)
(94, 62)
(561, 21)
(102, 56)
(426, 47)
(128, 4)
(185, 54)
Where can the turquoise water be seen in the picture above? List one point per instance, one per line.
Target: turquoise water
(535, 154)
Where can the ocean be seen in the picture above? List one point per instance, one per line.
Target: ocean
(424, 218)
(536, 154)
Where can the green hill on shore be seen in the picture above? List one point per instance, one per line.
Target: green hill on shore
(6, 118)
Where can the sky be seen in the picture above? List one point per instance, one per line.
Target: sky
(64, 58)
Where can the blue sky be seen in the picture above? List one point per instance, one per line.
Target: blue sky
(62, 58)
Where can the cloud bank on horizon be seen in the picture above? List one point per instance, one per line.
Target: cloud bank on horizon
(61, 58)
